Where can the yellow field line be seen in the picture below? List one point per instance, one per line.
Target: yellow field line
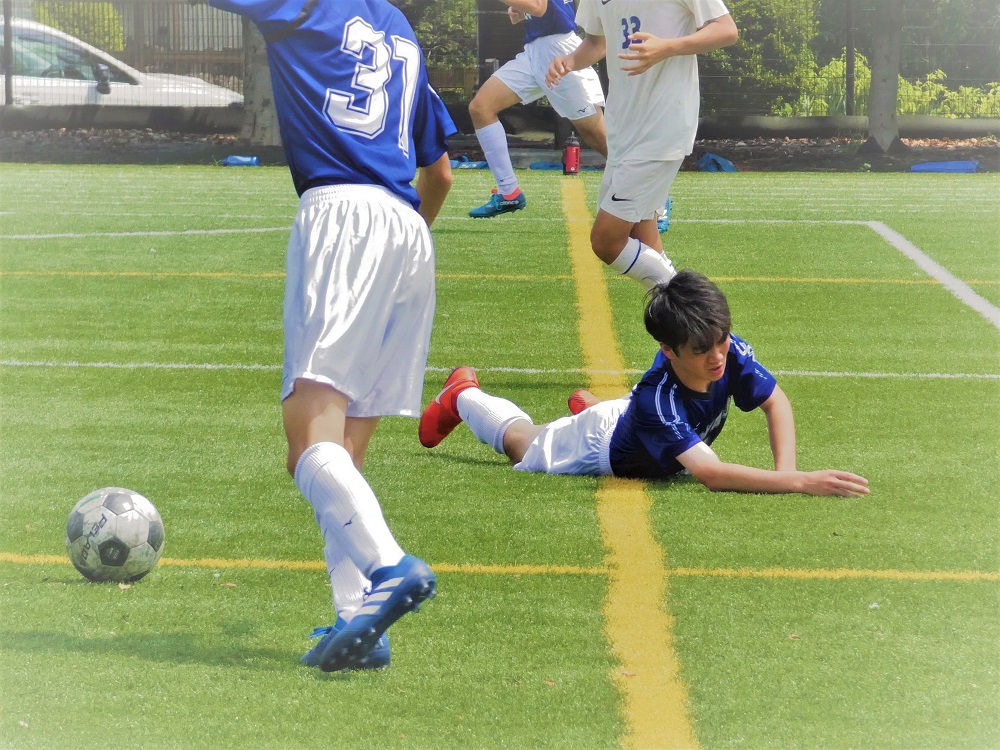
(820, 574)
(638, 627)
(484, 276)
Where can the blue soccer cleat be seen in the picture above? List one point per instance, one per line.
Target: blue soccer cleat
(500, 204)
(378, 657)
(663, 220)
(396, 590)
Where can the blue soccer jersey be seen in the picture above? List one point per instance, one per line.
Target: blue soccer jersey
(350, 87)
(665, 418)
(559, 18)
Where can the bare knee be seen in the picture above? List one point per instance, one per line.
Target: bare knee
(607, 245)
(518, 437)
(292, 462)
(482, 112)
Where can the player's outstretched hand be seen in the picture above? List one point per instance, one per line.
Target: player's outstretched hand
(834, 482)
(644, 51)
(559, 67)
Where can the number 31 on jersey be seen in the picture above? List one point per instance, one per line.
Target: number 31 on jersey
(365, 110)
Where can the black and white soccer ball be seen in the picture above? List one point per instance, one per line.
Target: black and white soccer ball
(114, 534)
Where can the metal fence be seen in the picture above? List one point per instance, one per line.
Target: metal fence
(464, 41)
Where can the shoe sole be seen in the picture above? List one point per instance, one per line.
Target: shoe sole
(312, 658)
(355, 648)
(502, 211)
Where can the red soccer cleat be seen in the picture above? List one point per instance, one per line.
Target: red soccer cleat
(580, 400)
(441, 415)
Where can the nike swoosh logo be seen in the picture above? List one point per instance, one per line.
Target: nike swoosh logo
(605, 2)
(616, 198)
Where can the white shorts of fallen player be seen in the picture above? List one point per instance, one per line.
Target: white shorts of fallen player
(359, 298)
(578, 444)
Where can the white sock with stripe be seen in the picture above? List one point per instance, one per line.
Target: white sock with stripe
(493, 141)
(347, 510)
(644, 264)
(488, 416)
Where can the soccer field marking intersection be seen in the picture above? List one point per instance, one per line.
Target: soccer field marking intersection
(637, 620)
(318, 566)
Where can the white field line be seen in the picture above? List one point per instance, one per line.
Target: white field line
(962, 291)
(500, 370)
(931, 267)
(80, 236)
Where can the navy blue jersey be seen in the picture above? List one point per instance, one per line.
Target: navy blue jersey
(559, 18)
(350, 87)
(665, 418)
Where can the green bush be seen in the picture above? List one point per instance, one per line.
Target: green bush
(825, 93)
(98, 24)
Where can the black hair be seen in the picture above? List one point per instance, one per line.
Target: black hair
(688, 308)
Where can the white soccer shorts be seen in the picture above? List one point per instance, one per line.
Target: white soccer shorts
(577, 445)
(576, 96)
(359, 298)
(637, 190)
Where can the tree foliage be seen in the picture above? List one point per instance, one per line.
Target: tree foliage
(826, 94)
(771, 61)
(98, 24)
(446, 30)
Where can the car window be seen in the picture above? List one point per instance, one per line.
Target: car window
(42, 55)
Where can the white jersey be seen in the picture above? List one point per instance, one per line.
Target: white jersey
(654, 115)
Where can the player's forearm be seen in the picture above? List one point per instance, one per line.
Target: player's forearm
(433, 183)
(726, 477)
(718, 33)
(781, 429)
(590, 51)
(723, 477)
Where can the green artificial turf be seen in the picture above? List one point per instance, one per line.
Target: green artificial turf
(140, 345)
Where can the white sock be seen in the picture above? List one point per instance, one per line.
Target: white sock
(488, 416)
(346, 580)
(493, 141)
(644, 264)
(346, 509)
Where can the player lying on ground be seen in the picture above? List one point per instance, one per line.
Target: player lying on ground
(666, 425)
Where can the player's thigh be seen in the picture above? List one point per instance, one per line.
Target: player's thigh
(578, 94)
(493, 97)
(519, 77)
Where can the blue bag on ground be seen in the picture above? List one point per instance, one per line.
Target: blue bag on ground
(241, 161)
(945, 166)
(715, 163)
(463, 162)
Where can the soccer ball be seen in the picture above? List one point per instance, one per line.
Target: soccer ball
(114, 534)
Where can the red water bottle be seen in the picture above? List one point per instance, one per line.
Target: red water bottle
(571, 156)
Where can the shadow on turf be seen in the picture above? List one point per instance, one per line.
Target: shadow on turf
(174, 648)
